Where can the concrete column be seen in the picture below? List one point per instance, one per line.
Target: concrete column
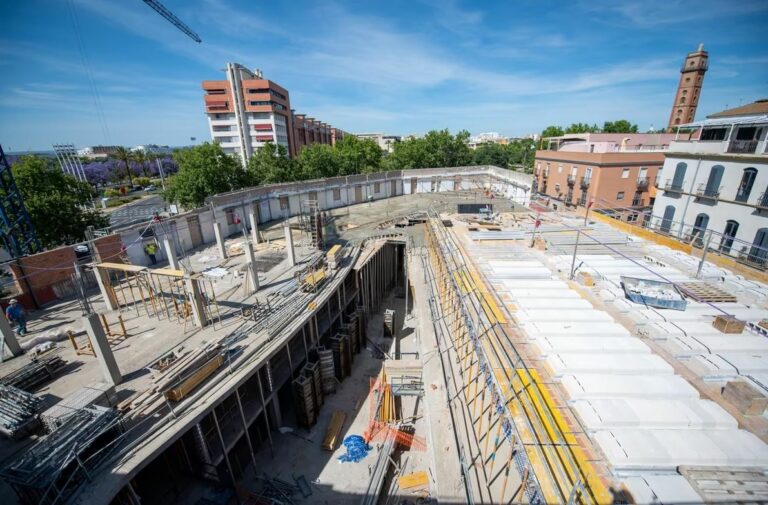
(252, 271)
(170, 251)
(196, 302)
(289, 244)
(105, 286)
(101, 347)
(219, 240)
(254, 227)
(276, 409)
(9, 337)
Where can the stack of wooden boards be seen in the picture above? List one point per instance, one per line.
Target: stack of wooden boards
(333, 433)
(333, 257)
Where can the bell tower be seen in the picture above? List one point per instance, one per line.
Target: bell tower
(689, 88)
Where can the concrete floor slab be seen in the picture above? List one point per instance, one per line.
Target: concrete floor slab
(595, 385)
(608, 363)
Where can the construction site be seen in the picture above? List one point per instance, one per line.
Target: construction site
(422, 336)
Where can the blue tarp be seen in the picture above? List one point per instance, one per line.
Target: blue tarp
(357, 449)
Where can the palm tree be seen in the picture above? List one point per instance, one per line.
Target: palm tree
(126, 156)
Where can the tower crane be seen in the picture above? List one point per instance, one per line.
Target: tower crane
(170, 16)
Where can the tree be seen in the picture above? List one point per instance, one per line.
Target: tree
(358, 156)
(552, 131)
(491, 153)
(620, 126)
(318, 160)
(435, 149)
(141, 158)
(126, 156)
(204, 170)
(582, 128)
(57, 202)
(521, 152)
(270, 164)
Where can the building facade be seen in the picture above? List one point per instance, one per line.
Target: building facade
(385, 142)
(714, 186)
(611, 170)
(689, 88)
(245, 111)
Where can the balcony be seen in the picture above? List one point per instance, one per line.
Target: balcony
(545, 175)
(642, 183)
(705, 193)
(743, 146)
(571, 180)
(762, 202)
(671, 187)
(584, 183)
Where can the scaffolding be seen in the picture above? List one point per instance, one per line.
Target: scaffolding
(18, 233)
(511, 411)
(311, 222)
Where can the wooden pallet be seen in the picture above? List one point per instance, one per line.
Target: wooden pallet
(732, 485)
(706, 293)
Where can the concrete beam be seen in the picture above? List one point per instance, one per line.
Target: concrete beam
(289, 244)
(105, 286)
(103, 351)
(252, 270)
(219, 240)
(196, 303)
(254, 227)
(9, 337)
(170, 251)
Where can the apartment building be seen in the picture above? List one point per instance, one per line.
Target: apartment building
(245, 111)
(714, 186)
(385, 142)
(611, 170)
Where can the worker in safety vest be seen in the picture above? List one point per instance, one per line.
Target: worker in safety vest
(150, 249)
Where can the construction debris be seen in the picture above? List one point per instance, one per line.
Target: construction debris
(333, 433)
(413, 480)
(662, 295)
(728, 324)
(101, 394)
(18, 412)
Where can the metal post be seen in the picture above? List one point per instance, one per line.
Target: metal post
(575, 248)
(704, 255)
(224, 450)
(160, 169)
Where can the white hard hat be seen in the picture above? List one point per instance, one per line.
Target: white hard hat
(13, 300)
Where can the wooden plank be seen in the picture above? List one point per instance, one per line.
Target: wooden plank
(412, 480)
(333, 433)
(187, 385)
(705, 292)
(121, 266)
(170, 272)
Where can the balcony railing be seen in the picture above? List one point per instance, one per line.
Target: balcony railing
(762, 202)
(642, 183)
(705, 193)
(671, 187)
(571, 180)
(743, 146)
(584, 182)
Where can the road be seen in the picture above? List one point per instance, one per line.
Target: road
(136, 212)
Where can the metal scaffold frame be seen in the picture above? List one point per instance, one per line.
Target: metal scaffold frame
(515, 405)
(18, 233)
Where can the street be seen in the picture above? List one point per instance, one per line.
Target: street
(138, 211)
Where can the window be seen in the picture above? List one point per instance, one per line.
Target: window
(759, 250)
(714, 134)
(620, 195)
(713, 181)
(376, 187)
(729, 235)
(625, 173)
(284, 204)
(336, 195)
(685, 92)
(666, 221)
(745, 186)
(231, 216)
(679, 177)
(682, 99)
(574, 170)
(591, 148)
(699, 227)
(560, 168)
(216, 91)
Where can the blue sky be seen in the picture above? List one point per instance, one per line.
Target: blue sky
(115, 72)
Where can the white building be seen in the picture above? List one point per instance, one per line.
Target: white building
(153, 149)
(385, 142)
(714, 186)
(487, 138)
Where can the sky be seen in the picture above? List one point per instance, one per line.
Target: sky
(113, 72)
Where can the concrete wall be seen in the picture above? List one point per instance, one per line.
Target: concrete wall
(267, 199)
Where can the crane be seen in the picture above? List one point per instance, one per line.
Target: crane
(170, 16)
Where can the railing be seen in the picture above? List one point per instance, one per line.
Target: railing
(571, 180)
(584, 183)
(762, 202)
(545, 175)
(708, 193)
(642, 183)
(671, 187)
(743, 146)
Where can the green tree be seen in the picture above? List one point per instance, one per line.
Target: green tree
(270, 164)
(620, 126)
(522, 152)
(435, 149)
(490, 153)
(582, 128)
(58, 204)
(552, 131)
(318, 160)
(126, 156)
(358, 156)
(204, 170)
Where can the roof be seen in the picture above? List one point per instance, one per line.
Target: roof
(727, 121)
(755, 108)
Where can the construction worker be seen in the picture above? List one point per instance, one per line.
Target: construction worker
(15, 313)
(150, 249)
